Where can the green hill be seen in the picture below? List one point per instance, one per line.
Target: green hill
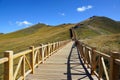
(34, 35)
(100, 32)
(95, 26)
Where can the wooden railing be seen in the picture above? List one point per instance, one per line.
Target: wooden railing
(104, 66)
(18, 66)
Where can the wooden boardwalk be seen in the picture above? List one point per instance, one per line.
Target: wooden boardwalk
(65, 64)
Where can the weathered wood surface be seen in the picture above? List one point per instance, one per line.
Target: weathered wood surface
(65, 64)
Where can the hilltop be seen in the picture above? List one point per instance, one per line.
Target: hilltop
(97, 25)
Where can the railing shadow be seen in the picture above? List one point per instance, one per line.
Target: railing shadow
(87, 72)
(75, 64)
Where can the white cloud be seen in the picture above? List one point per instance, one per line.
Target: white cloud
(80, 9)
(89, 7)
(84, 8)
(21, 23)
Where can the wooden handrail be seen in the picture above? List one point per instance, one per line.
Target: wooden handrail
(102, 65)
(117, 61)
(3, 60)
(28, 60)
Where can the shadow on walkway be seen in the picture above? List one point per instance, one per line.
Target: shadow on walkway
(75, 67)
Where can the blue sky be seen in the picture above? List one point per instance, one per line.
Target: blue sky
(19, 14)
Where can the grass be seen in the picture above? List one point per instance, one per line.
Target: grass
(85, 32)
(105, 43)
(40, 33)
(102, 24)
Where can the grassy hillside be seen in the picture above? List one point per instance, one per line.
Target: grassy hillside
(95, 26)
(105, 43)
(101, 32)
(103, 23)
(34, 35)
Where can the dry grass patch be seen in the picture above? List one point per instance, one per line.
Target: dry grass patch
(105, 43)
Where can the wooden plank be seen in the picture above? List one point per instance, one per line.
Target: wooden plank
(117, 61)
(114, 68)
(3, 60)
(55, 67)
(18, 67)
(32, 59)
(21, 53)
(103, 54)
(23, 67)
(8, 66)
(104, 68)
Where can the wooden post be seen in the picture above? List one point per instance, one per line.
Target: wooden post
(114, 68)
(32, 58)
(59, 44)
(56, 45)
(42, 52)
(87, 57)
(84, 58)
(8, 66)
(23, 67)
(48, 49)
(93, 58)
(100, 68)
(53, 46)
(81, 48)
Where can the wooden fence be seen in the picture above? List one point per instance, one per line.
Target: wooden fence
(104, 66)
(27, 60)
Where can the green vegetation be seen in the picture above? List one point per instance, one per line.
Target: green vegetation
(101, 32)
(85, 32)
(105, 43)
(104, 23)
(34, 35)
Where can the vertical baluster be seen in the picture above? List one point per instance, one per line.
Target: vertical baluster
(100, 68)
(32, 62)
(42, 50)
(8, 66)
(23, 67)
(93, 59)
(114, 68)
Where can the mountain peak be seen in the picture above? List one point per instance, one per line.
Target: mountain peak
(100, 22)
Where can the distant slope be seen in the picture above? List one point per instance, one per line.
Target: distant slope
(95, 26)
(34, 35)
(100, 32)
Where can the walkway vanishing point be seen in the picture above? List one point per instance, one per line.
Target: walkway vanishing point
(65, 64)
